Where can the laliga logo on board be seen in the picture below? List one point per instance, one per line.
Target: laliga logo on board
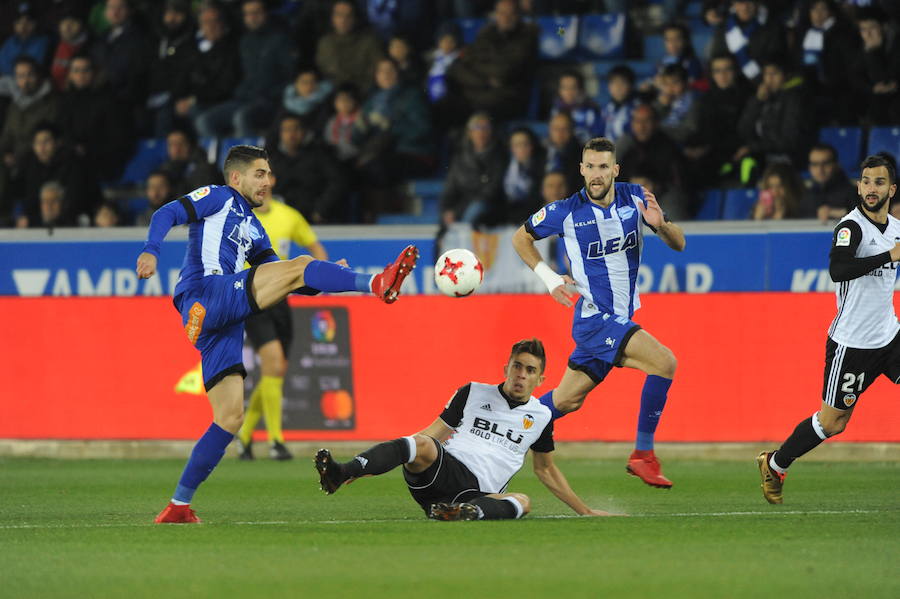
(528, 421)
(323, 326)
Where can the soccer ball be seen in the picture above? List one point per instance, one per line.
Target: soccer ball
(458, 273)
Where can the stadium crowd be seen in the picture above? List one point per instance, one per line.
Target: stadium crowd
(355, 98)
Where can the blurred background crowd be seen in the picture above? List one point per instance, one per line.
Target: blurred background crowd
(406, 111)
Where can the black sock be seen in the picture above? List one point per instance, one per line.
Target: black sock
(803, 440)
(495, 509)
(379, 459)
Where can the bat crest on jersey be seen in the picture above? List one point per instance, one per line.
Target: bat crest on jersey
(612, 245)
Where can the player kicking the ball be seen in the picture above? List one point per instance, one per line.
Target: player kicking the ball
(458, 467)
(602, 228)
(214, 295)
(864, 338)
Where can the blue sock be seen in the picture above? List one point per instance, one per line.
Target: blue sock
(204, 458)
(328, 276)
(653, 400)
(547, 400)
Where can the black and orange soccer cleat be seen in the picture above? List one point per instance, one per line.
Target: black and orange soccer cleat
(386, 284)
(644, 465)
(772, 481)
(177, 514)
(453, 511)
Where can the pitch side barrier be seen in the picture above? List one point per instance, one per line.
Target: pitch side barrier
(720, 256)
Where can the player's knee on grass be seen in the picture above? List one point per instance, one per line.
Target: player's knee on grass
(523, 500)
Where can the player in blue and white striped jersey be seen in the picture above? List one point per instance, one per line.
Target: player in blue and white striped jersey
(602, 229)
(214, 294)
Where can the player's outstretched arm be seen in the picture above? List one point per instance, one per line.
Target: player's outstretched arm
(523, 243)
(167, 216)
(670, 233)
(553, 478)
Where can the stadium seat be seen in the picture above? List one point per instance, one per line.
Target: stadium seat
(848, 143)
(739, 204)
(654, 48)
(701, 39)
(711, 206)
(470, 28)
(209, 145)
(602, 36)
(148, 155)
(558, 37)
(227, 143)
(884, 139)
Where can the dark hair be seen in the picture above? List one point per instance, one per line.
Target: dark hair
(26, 59)
(821, 146)
(531, 346)
(46, 126)
(161, 173)
(349, 88)
(621, 70)
(685, 35)
(241, 156)
(309, 68)
(579, 78)
(188, 133)
(884, 159)
(792, 184)
(293, 116)
(599, 144)
(675, 70)
(871, 13)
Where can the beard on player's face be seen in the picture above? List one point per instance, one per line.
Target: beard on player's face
(596, 184)
(873, 202)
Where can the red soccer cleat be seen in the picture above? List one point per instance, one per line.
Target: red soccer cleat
(386, 285)
(177, 514)
(644, 465)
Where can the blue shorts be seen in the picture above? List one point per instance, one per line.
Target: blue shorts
(213, 311)
(600, 341)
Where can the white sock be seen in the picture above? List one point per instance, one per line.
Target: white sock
(519, 509)
(411, 441)
(176, 502)
(775, 466)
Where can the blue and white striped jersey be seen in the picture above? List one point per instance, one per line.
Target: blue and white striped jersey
(603, 245)
(223, 235)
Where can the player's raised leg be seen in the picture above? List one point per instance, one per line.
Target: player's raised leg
(226, 398)
(570, 393)
(415, 453)
(273, 281)
(645, 353)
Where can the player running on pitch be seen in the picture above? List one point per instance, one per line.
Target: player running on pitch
(215, 295)
(864, 337)
(601, 227)
(458, 468)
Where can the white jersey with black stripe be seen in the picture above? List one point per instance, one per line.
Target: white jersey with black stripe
(865, 305)
(493, 433)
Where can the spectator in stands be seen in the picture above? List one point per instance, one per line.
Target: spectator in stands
(829, 190)
(411, 19)
(187, 164)
(751, 36)
(159, 191)
(107, 215)
(309, 177)
(49, 160)
(571, 98)
(826, 46)
(474, 184)
(780, 195)
(713, 138)
(401, 51)
(307, 96)
(445, 53)
(617, 112)
(775, 125)
(674, 100)
(52, 208)
(122, 56)
(170, 67)
(213, 72)
(648, 151)
(875, 74)
(395, 137)
(553, 187)
(495, 72)
(340, 128)
(92, 123)
(680, 50)
(523, 177)
(267, 63)
(563, 150)
(73, 41)
(33, 101)
(25, 41)
(349, 52)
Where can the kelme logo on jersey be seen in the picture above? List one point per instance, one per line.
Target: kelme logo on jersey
(849, 399)
(486, 426)
(538, 217)
(528, 421)
(323, 326)
(613, 245)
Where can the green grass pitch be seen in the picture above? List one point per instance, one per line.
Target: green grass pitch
(71, 528)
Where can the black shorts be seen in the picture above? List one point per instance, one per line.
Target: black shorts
(271, 324)
(446, 481)
(849, 371)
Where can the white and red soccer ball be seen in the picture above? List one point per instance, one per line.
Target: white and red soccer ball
(458, 273)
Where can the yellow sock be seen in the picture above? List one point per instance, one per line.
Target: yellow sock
(271, 393)
(252, 415)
